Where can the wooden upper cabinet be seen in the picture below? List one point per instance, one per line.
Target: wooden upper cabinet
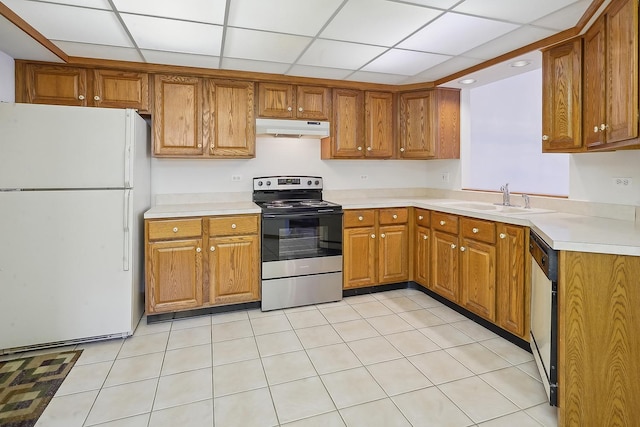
(347, 126)
(611, 78)
(229, 124)
(430, 124)
(378, 116)
(284, 101)
(68, 85)
(121, 89)
(51, 84)
(177, 116)
(562, 97)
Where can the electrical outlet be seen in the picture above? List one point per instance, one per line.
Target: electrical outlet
(622, 182)
(444, 177)
(236, 177)
(364, 176)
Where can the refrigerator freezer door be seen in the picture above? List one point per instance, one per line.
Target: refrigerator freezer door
(61, 267)
(51, 146)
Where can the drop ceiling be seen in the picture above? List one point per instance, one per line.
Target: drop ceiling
(377, 41)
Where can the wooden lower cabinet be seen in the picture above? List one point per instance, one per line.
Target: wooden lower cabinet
(182, 275)
(444, 265)
(375, 247)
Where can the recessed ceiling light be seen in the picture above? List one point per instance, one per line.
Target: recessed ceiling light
(467, 81)
(522, 63)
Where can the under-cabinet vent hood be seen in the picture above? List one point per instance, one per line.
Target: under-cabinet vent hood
(292, 128)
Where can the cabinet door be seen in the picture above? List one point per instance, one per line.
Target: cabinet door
(276, 100)
(378, 118)
(417, 137)
(359, 257)
(347, 127)
(120, 89)
(513, 282)
(229, 126)
(478, 278)
(177, 116)
(313, 103)
(393, 254)
(50, 84)
(594, 84)
(622, 69)
(234, 269)
(562, 98)
(421, 256)
(444, 265)
(174, 279)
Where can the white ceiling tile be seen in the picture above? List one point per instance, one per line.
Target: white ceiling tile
(521, 11)
(285, 16)
(453, 34)
(263, 46)
(71, 23)
(19, 45)
(511, 41)
(380, 78)
(184, 59)
(94, 4)
(446, 68)
(438, 4)
(334, 54)
(404, 62)
(99, 51)
(319, 72)
(174, 36)
(377, 22)
(564, 18)
(257, 66)
(192, 10)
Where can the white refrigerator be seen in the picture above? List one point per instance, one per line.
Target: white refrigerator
(74, 184)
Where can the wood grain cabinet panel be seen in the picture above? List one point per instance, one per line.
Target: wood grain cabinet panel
(422, 256)
(347, 126)
(478, 277)
(121, 89)
(234, 269)
(378, 117)
(360, 257)
(393, 253)
(285, 101)
(52, 84)
(445, 273)
(313, 102)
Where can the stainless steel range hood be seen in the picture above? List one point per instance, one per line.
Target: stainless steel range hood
(292, 128)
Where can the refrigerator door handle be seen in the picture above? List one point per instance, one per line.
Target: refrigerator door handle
(126, 258)
(129, 136)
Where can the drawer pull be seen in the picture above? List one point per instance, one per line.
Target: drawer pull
(443, 222)
(289, 109)
(212, 248)
(81, 97)
(453, 246)
(420, 217)
(198, 250)
(475, 230)
(300, 109)
(369, 148)
(360, 218)
(359, 148)
(395, 216)
(373, 236)
(175, 229)
(382, 235)
(233, 226)
(425, 237)
(502, 235)
(462, 248)
(96, 98)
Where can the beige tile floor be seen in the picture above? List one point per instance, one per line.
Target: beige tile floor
(396, 358)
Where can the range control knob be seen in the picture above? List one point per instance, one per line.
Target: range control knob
(268, 183)
(309, 182)
(259, 183)
(317, 182)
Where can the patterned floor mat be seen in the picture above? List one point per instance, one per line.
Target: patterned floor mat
(28, 384)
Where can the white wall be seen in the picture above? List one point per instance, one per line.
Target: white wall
(296, 157)
(7, 78)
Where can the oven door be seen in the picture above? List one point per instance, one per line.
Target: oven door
(297, 236)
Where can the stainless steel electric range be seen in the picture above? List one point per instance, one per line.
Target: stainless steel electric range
(301, 242)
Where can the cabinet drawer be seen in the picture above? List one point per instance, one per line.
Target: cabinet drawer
(477, 229)
(444, 222)
(358, 218)
(229, 225)
(422, 217)
(175, 228)
(394, 216)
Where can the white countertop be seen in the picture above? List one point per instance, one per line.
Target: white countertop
(562, 231)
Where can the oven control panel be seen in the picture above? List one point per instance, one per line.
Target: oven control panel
(287, 183)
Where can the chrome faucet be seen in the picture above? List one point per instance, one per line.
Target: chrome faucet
(527, 202)
(505, 195)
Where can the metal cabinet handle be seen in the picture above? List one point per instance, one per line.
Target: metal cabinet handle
(382, 235)
(596, 129)
(300, 109)
(402, 149)
(212, 248)
(425, 237)
(395, 216)
(175, 229)
(475, 230)
(603, 127)
(443, 222)
(502, 235)
(81, 97)
(359, 148)
(373, 236)
(453, 246)
(96, 98)
(289, 109)
(545, 137)
(199, 145)
(420, 217)
(360, 218)
(368, 148)
(198, 250)
(462, 249)
(233, 226)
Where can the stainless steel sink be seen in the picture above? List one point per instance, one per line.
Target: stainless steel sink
(491, 207)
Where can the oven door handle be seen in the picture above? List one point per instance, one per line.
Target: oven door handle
(302, 215)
